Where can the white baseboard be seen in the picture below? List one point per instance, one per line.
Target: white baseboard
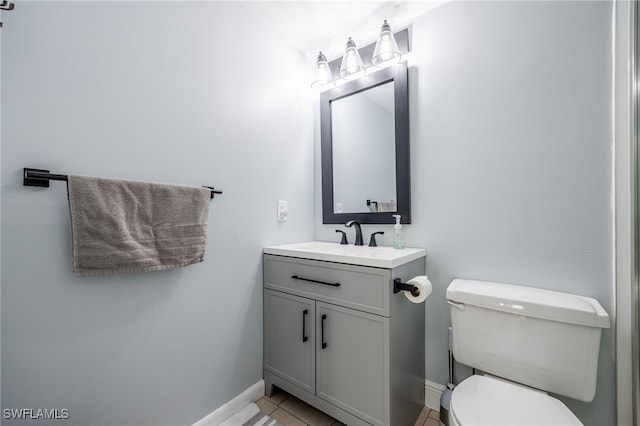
(252, 394)
(432, 392)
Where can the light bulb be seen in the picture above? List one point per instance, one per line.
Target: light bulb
(323, 75)
(386, 51)
(352, 66)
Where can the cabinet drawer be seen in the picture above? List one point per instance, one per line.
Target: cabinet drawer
(358, 287)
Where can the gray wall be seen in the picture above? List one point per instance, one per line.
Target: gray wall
(511, 159)
(194, 93)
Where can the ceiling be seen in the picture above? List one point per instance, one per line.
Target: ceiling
(317, 25)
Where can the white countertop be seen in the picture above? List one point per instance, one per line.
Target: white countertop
(380, 257)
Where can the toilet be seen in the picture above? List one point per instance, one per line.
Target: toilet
(527, 341)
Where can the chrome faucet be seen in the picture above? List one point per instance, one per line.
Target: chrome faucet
(358, 231)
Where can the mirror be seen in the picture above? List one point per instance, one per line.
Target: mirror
(362, 128)
(365, 149)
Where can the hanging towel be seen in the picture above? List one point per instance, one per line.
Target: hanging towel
(387, 206)
(128, 226)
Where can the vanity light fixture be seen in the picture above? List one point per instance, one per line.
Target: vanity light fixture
(386, 51)
(323, 77)
(352, 66)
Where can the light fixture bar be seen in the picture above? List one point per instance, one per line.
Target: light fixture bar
(357, 61)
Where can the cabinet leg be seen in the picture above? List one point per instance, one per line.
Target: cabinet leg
(268, 388)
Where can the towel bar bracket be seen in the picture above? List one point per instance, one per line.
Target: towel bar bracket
(213, 190)
(30, 178)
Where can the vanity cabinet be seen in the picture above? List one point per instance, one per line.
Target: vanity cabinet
(337, 337)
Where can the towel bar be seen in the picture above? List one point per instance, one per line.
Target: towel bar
(41, 178)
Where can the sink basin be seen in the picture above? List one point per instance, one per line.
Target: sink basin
(380, 257)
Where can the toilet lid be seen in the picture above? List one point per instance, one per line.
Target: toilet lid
(481, 400)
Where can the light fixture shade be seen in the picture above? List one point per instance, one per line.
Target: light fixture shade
(352, 66)
(386, 51)
(323, 77)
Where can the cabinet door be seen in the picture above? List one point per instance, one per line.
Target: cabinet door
(289, 338)
(352, 369)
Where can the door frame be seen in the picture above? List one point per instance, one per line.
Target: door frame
(626, 240)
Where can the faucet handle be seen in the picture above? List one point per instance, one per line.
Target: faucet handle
(372, 241)
(343, 241)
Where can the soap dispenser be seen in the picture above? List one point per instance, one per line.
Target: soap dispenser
(398, 233)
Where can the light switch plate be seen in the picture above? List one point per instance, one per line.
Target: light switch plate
(283, 211)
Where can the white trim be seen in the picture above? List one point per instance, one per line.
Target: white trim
(246, 414)
(623, 206)
(432, 393)
(252, 394)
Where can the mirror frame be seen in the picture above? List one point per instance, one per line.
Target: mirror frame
(398, 74)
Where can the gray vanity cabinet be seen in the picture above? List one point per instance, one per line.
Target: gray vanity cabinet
(337, 337)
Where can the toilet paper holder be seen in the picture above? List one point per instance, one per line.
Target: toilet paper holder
(399, 286)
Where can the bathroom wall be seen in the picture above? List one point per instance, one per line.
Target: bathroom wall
(193, 93)
(511, 159)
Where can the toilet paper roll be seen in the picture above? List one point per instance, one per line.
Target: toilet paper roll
(423, 285)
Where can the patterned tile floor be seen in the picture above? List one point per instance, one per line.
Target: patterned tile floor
(290, 411)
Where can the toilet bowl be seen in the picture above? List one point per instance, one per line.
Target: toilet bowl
(531, 341)
(486, 401)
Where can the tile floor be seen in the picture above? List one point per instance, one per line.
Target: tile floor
(290, 411)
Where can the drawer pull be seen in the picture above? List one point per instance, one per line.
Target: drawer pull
(323, 318)
(304, 325)
(295, 277)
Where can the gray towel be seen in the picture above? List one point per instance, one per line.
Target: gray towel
(127, 226)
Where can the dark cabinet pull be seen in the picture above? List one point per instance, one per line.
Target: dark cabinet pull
(295, 277)
(324, 317)
(304, 325)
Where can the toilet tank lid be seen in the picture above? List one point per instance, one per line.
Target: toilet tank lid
(529, 301)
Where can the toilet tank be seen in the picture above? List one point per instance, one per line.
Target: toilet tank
(541, 338)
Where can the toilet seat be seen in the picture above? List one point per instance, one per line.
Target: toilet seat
(481, 400)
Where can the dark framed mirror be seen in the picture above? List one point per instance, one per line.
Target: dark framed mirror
(365, 149)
